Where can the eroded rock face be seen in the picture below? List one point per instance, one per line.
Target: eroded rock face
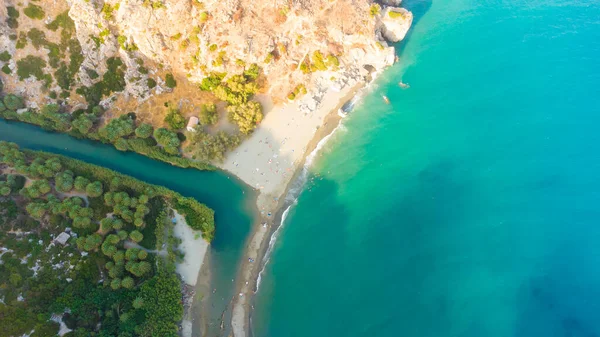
(392, 3)
(395, 23)
(192, 38)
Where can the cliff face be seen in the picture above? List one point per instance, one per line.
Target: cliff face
(193, 39)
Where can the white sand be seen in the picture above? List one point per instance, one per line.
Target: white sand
(194, 247)
(268, 159)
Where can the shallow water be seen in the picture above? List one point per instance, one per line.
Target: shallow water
(230, 198)
(467, 207)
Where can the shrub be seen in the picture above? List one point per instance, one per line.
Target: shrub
(63, 21)
(174, 119)
(34, 11)
(136, 236)
(252, 73)
(166, 138)
(203, 17)
(144, 130)
(318, 62)
(374, 10)
(151, 83)
(6, 69)
(30, 65)
(333, 61)
(13, 15)
(210, 82)
(247, 115)
(269, 58)
(121, 144)
(396, 15)
(5, 56)
(128, 283)
(13, 102)
(170, 81)
(212, 47)
(208, 114)
(94, 189)
(117, 128)
(115, 284)
(107, 10)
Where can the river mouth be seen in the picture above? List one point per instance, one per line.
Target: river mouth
(232, 200)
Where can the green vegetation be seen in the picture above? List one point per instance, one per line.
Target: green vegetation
(237, 91)
(63, 21)
(269, 58)
(318, 62)
(30, 66)
(122, 40)
(298, 91)
(6, 69)
(174, 118)
(374, 10)
(203, 17)
(208, 114)
(144, 131)
(151, 83)
(108, 9)
(170, 81)
(37, 37)
(5, 56)
(13, 16)
(204, 146)
(110, 290)
(21, 41)
(34, 11)
(246, 115)
(396, 15)
(113, 80)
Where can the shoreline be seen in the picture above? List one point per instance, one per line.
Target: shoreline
(258, 242)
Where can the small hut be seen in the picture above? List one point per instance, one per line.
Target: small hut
(191, 125)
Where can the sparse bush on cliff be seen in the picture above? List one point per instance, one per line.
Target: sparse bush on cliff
(396, 15)
(374, 10)
(5, 56)
(317, 61)
(170, 81)
(31, 66)
(13, 16)
(34, 11)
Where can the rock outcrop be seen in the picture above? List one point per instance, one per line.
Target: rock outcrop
(395, 23)
(192, 39)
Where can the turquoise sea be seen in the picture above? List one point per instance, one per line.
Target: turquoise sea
(470, 206)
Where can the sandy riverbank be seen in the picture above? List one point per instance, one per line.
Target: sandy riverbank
(195, 248)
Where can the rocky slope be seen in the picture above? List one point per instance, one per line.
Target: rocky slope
(192, 39)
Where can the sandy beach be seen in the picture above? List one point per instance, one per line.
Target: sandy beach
(270, 160)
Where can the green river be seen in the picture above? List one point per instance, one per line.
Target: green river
(231, 199)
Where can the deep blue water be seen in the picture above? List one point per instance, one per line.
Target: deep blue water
(470, 206)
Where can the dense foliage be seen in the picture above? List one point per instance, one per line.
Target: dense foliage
(104, 281)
